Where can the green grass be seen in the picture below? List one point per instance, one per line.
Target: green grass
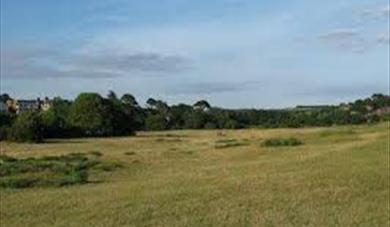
(46, 171)
(339, 176)
(222, 144)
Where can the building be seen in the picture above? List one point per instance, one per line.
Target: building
(11, 105)
(382, 111)
(26, 105)
(20, 106)
(46, 104)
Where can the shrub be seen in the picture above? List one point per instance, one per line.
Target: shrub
(276, 142)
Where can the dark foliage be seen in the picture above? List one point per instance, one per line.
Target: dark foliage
(93, 115)
(28, 127)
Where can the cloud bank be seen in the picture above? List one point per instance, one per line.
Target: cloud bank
(46, 63)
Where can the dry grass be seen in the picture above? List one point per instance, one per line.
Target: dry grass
(338, 177)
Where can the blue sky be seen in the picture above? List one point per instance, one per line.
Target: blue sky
(234, 53)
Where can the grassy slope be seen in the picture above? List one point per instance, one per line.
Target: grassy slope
(339, 177)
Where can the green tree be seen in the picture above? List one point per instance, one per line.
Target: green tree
(155, 122)
(202, 105)
(380, 101)
(151, 102)
(4, 97)
(6, 121)
(89, 114)
(55, 120)
(28, 127)
(178, 115)
(196, 120)
(129, 100)
(112, 96)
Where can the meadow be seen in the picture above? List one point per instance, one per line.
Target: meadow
(335, 176)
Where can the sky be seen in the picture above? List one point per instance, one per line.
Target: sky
(234, 53)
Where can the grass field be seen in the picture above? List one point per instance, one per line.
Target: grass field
(338, 177)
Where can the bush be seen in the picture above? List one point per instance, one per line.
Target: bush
(282, 142)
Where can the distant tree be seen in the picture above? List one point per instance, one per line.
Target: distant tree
(158, 107)
(28, 127)
(162, 107)
(210, 125)
(178, 115)
(151, 102)
(89, 114)
(202, 105)
(4, 97)
(196, 120)
(232, 124)
(92, 115)
(112, 96)
(359, 106)
(155, 122)
(120, 118)
(56, 119)
(135, 114)
(357, 118)
(129, 100)
(6, 121)
(380, 101)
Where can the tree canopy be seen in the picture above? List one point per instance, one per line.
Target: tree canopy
(90, 114)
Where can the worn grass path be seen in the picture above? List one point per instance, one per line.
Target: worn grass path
(339, 177)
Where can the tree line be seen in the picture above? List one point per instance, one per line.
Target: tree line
(91, 115)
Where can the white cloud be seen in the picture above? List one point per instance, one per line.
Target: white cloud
(345, 39)
(339, 34)
(386, 10)
(384, 39)
(374, 12)
(35, 63)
